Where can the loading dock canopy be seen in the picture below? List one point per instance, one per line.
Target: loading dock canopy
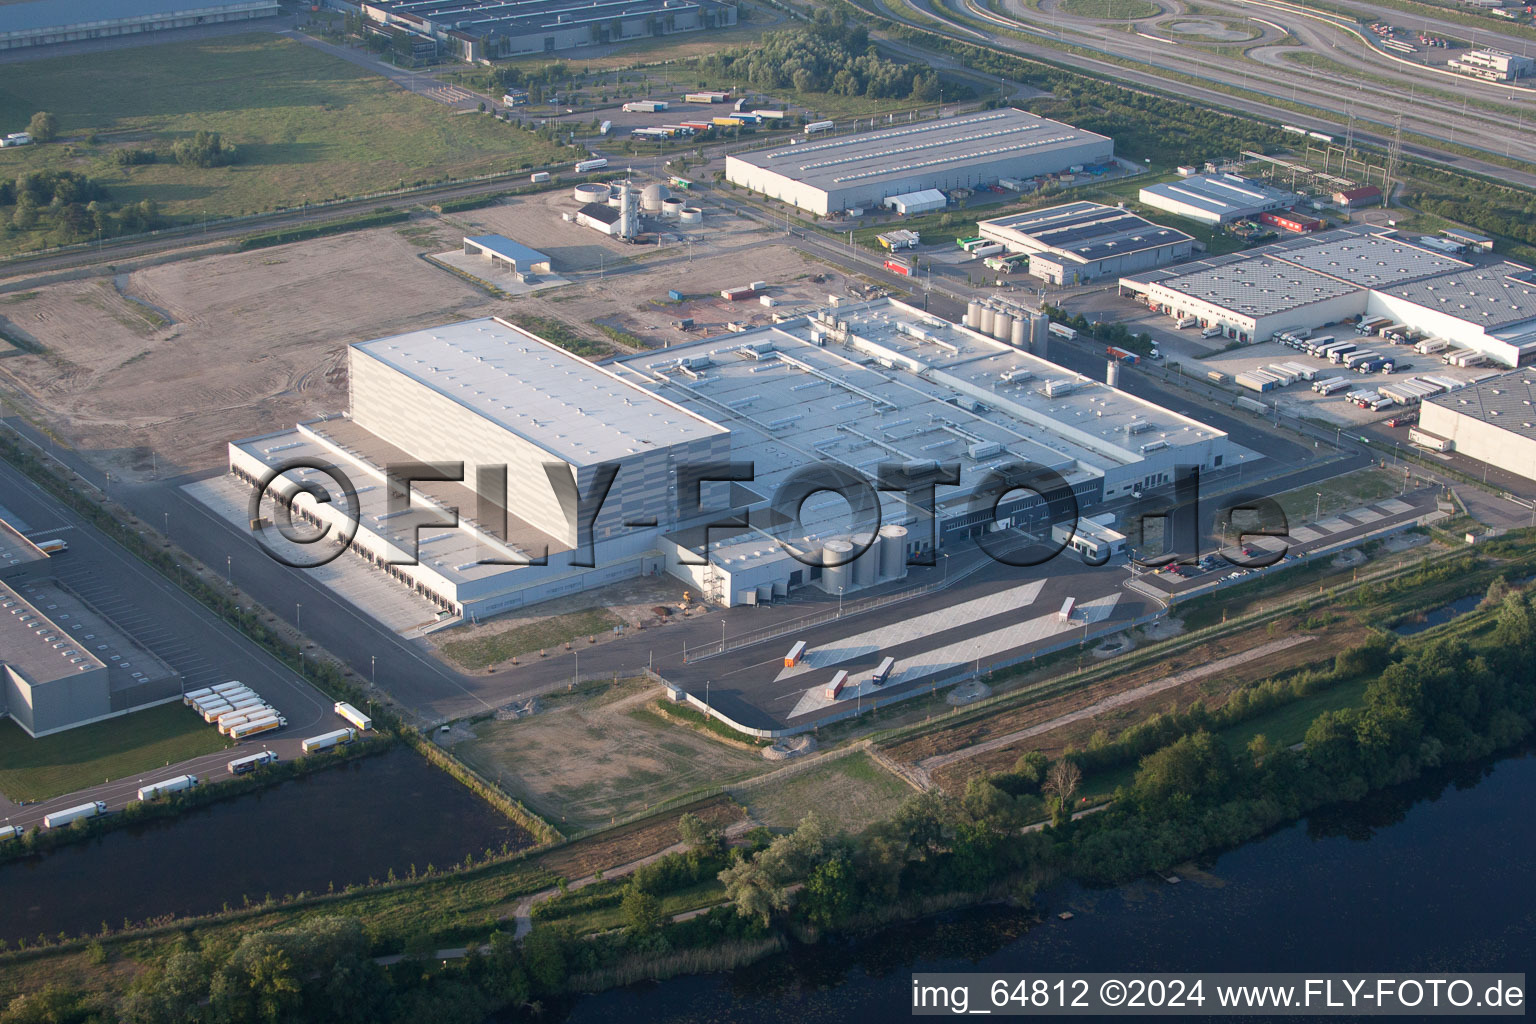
(515, 254)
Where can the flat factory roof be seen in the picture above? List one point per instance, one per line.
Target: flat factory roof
(41, 14)
(1492, 296)
(1256, 287)
(44, 626)
(37, 646)
(16, 549)
(907, 387)
(1370, 261)
(573, 408)
(894, 152)
(487, 17)
(1086, 231)
(1221, 195)
(508, 249)
(1507, 401)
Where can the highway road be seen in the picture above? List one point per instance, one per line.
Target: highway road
(1334, 99)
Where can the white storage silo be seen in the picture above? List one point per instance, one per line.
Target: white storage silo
(1112, 373)
(690, 215)
(893, 551)
(1016, 335)
(972, 313)
(987, 319)
(836, 575)
(1002, 326)
(866, 569)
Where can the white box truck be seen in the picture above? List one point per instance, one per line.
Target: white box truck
(58, 819)
(326, 741)
(356, 717)
(175, 785)
(241, 765)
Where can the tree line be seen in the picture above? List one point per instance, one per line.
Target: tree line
(833, 56)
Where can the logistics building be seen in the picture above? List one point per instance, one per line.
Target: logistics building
(1081, 241)
(41, 22)
(1216, 198)
(488, 394)
(855, 172)
(1493, 421)
(857, 386)
(1325, 278)
(62, 664)
(1494, 65)
(477, 30)
(883, 382)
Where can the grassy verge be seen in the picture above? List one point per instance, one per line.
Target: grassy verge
(307, 126)
(1338, 494)
(853, 791)
(484, 651)
(282, 236)
(1111, 10)
(37, 769)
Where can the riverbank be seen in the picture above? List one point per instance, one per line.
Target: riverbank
(1415, 877)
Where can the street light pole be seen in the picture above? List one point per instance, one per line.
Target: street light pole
(298, 616)
(373, 669)
(839, 602)
(1319, 513)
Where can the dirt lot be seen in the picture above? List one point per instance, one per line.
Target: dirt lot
(220, 347)
(629, 843)
(629, 289)
(586, 761)
(632, 603)
(1213, 690)
(184, 356)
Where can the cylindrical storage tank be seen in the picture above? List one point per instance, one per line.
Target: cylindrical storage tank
(1002, 326)
(866, 570)
(591, 193)
(835, 577)
(1039, 332)
(987, 319)
(1112, 374)
(972, 313)
(652, 196)
(670, 208)
(1016, 336)
(690, 215)
(893, 552)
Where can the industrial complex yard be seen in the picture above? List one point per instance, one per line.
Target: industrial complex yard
(563, 497)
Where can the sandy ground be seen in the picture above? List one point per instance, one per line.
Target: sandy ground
(254, 342)
(178, 359)
(585, 761)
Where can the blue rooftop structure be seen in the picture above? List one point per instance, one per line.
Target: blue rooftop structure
(516, 255)
(40, 22)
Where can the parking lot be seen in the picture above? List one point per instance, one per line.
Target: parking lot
(162, 618)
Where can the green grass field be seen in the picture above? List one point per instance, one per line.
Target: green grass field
(852, 792)
(37, 769)
(1115, 10)
(308, 126)
(1339, 494)
(546, 634)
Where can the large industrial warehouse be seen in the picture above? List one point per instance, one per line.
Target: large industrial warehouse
(1216, 198)
(62, 664)
(1493, 421)
(476, 30)
(1081, 241)
(883, 382)
(855, 172)
(862, 384)
(42, 22)
(1322, 279)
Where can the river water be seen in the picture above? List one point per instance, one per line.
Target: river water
(1433, 875)
(343, 825)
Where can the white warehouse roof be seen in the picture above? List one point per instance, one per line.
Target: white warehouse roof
(559, 401)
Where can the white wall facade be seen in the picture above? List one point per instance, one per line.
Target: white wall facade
(1503, 449)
